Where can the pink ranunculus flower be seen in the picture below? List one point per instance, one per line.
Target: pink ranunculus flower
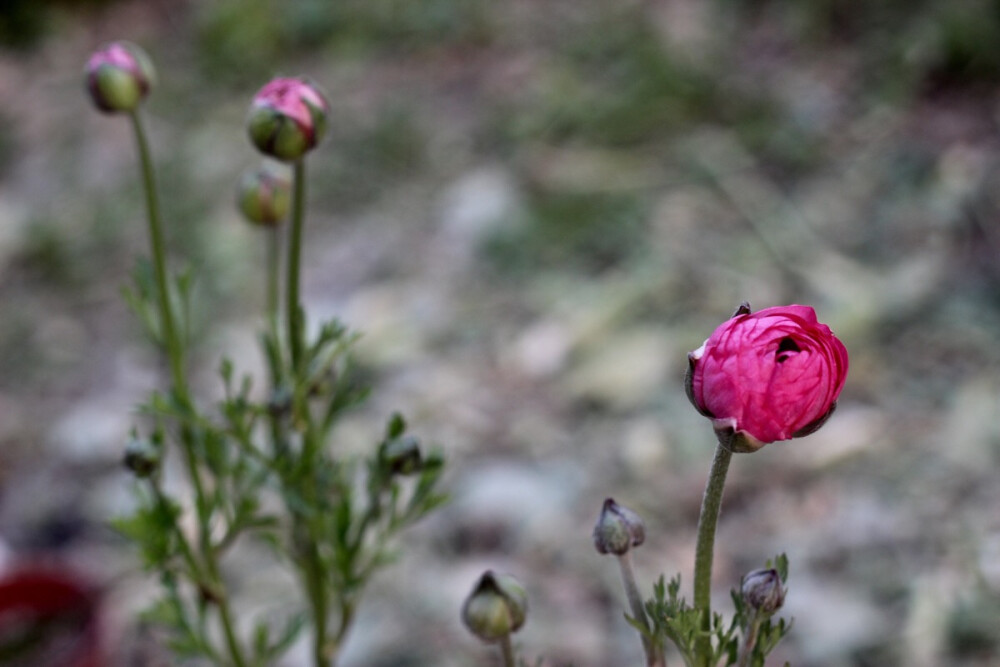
(287, 118)
(766, 376)
(119, 76)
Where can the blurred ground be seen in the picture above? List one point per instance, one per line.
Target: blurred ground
(533, 210)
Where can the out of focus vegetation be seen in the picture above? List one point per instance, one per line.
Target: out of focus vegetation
(534, 209)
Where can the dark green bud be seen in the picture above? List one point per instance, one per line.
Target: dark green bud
(264, 197)
(402, 455)
(142, 457)
(496, 607)
(618, 529)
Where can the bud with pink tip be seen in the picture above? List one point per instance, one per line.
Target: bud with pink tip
(119, 76)
(287, 118)
(264, 197)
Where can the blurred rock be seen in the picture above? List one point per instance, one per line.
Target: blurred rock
(498, 505)
(832, 618)
(475, 207)
(851, 430)
(646, 447)
(624, 371)
(542, 348)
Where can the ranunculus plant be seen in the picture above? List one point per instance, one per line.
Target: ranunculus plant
(760, 377)
(261, 469)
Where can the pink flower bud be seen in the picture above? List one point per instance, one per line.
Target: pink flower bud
(264, 197)
(766, 376)
(287, 118)
(119, 76)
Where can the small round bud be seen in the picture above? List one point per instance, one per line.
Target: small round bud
(280, 402)
(402, 455)
(264, 196)
(119, 76)
(287, 118)
(618, 529)
(762, 590)
(142, 457)
(496, 607)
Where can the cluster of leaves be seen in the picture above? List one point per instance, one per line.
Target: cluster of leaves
(745, 640)
(265, 470)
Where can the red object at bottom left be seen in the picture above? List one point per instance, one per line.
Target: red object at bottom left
(49, 617)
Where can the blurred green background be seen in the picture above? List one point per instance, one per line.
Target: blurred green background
(534, 209)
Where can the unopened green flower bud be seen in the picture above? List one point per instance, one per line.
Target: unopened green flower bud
(762, 590)
(287, 118)
(264, 196)
(402, 455)
(142, 457)
(119, 76)
(618, 529)
(496, 607)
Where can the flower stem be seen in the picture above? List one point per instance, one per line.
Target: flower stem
(174, 348)
(292, 305)
(168, 327)
(273, 269)
(507, 651)
(707, 521)
(750, 641)
(653, 659)
(314, 584)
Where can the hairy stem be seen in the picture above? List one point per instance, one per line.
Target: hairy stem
(707, 521)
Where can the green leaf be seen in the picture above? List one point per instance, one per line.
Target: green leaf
(153, 528)
(395, 427)
(288, 635)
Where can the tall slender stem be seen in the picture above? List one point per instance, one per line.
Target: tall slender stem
(174, 348)
(292, 305)
(653, 659)
(707, 521)
(507, 651)
(273, 269)
(173, 344)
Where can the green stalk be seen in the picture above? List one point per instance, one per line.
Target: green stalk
(653, 659)
(172, 343)
(174, 348)
(707, 521)
(750, 641)
(292, 305)
(314, 585)
(507, 651)
(313, 572)
(273, 268)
